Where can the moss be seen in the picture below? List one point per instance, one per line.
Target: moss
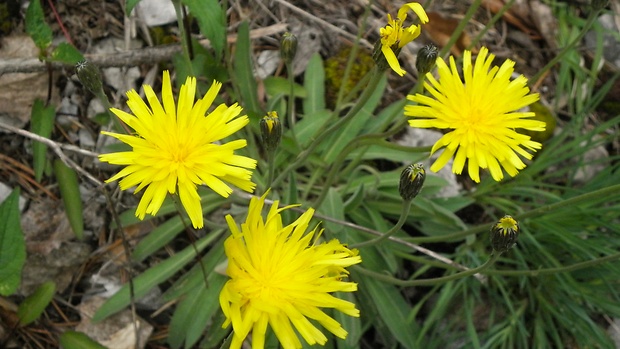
(334, 71)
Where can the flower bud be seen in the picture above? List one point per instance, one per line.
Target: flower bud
(411, 181)
(288, 47)
(90, 76)
(271, 131)
(427, 56)
(379, 57)
(504, 234)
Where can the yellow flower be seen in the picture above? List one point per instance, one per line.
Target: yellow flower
(176, 149)
(394, 36)
(280, 276)
(482, 113)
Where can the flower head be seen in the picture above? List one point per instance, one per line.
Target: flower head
(282, 277)
(394, 35)
(482, 113)
(177, 149)
(271, 131)
(504, 234)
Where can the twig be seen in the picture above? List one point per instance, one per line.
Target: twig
(324, 23)
(57, 148)
(128, 58)
(413, 246)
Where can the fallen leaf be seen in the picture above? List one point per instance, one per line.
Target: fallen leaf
(440, 29)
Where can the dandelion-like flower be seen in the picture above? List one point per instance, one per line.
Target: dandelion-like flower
(177, 149)
(282, 277)
(394, 36)
(482, 113)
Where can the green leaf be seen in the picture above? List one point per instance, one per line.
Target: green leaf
(211, 20)
(309, 125)
(78, 340)
(36, 27)
(353, 325)
(33, 306)
(70, 192)
(334, 208)
(243, 72)
(335, 144)
(193, 313)
(392, 308)
(196, 276)
(280, 86)
(12, 245)
(41, 123)
(129, 6)
(151, 278)
(66, 53)
(314, 82)
(167, 231)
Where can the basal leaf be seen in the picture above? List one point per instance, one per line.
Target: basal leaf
(78, 340)
(211, 20)
(66, 53)
(151, 278)
(70, 192)
(33, 306)
(314, 82)
(39, 31)
(41, 123)
(244, 72)
(12, 245)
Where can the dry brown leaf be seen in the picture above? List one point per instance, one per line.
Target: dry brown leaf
(519, 15)
(439, 30)
(19, 90)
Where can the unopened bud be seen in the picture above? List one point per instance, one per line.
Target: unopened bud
(411, 181)
(504, 234)
(89, 76)
(288, 47)
(271, 131)
(425, 61)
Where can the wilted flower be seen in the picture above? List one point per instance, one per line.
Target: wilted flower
(394, 36)
(177, 148)
(282, 277)
(482, 114)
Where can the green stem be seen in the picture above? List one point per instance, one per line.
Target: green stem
(184, 42)
(370, 139)
(597, 194)
(546, 271)
(459, 29)
(591, 18)
(491, 23)
(291, 102)
(270, 162)
(325, 132)
(403, 217)
(431, 281)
